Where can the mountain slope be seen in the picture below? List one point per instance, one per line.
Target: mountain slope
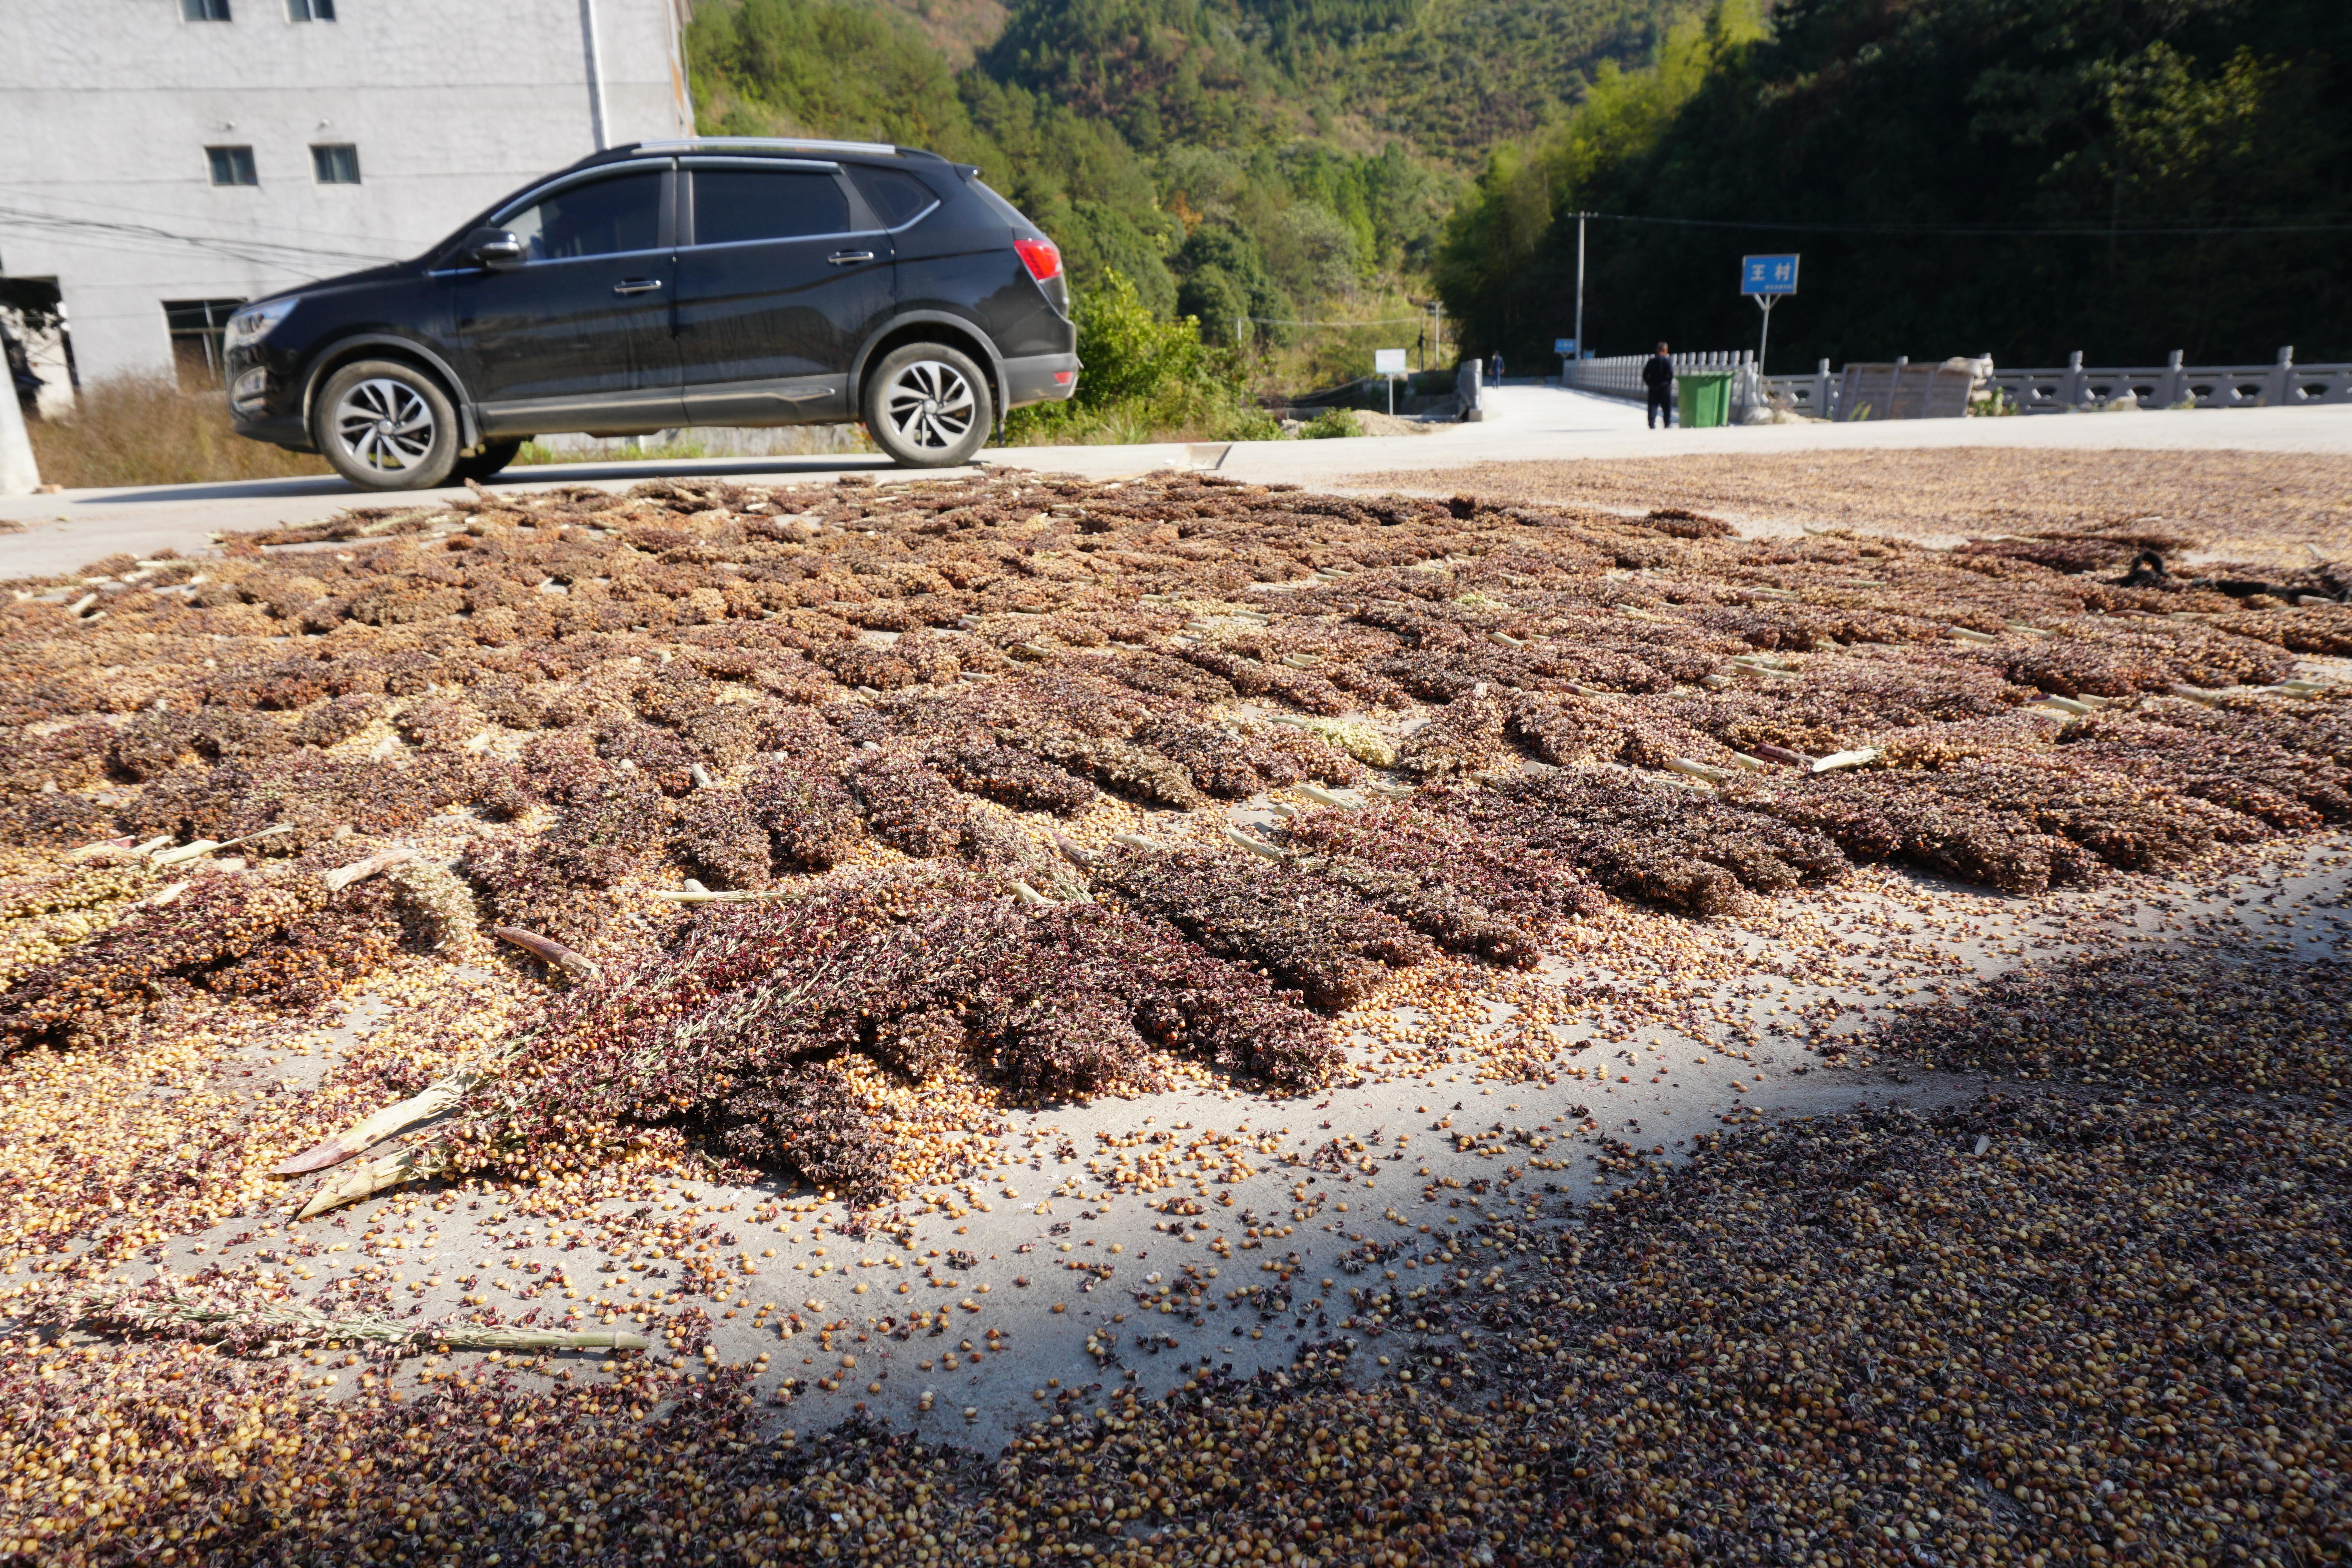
(1273, 159)
(2027, 177)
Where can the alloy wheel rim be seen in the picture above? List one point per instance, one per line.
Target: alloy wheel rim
(929, 404)
(384, 425)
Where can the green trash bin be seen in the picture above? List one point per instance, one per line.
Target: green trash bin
(1705, 398)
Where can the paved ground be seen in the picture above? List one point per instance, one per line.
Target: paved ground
(1043, 1276)
(1047, 1254)
(1532, 422)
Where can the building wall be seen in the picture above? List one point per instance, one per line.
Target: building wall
(107, 107)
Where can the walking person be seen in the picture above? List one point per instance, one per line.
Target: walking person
(1658, 375)
(1494, 371)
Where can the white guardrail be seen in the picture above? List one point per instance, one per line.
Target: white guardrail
(1883, 391)
(1621, 377)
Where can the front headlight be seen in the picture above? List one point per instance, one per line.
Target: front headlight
(250, 390)
(253, 324)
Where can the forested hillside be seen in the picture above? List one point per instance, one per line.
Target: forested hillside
(1275, 159)
(1977, 175)
(2022, 176)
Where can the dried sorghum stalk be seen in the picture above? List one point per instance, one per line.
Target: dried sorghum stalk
(1463, 737)
(1537, 892)
(806, 805)
(1877, 815)
(1647, 840)
(1306, 935)
(278, 935)
(214, 1309)
(907, 806)
(1012, 777)
(718, 837)
(1118, 767)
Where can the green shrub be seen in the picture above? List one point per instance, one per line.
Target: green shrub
(1330, 424)
(1248, 423)
(1145, 377)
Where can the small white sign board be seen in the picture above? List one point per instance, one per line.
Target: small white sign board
(1388, 362)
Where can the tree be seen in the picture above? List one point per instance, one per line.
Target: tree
(1913, 132)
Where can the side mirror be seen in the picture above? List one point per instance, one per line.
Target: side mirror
(494, 248)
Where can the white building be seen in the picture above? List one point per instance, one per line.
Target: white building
(163, 160)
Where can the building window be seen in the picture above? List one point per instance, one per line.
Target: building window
(205, 10)
(336, 166)
(232, 165)
(195, 328)
(310, 10)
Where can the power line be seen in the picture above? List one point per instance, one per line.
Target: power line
(145, 245)
(229, 244)
(42, 191)
(264, 253)
(1986, 229)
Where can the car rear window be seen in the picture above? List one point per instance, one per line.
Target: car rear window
(894, 196)
(602, 218)
(1004, 209)
(732, 206)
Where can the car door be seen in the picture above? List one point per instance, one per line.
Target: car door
(577, 334)
(783, 276)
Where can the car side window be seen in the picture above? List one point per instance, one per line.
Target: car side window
(897, 196)
(602, 218)
(732, 206)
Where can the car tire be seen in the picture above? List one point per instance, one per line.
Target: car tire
(929, 406)
(486, 462)
(386, 425)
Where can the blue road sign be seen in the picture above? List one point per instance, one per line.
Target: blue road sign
(1767, 275)
(1563, 346)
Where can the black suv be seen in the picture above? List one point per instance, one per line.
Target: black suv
(715, 281)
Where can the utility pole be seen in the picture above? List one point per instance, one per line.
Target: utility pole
(593, 48)
(19, 475)
(1579, 284)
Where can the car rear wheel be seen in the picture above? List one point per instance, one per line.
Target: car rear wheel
(929, 406)
(486, 462)
(386, 425)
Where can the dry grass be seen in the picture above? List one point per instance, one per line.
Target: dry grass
(2240, 506)
(143, 430)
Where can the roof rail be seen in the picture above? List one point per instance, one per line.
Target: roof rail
(778, 144)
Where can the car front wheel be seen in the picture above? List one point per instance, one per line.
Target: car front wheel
(929, 406)
(386, 425)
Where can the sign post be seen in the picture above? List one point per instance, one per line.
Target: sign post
(1389, 364)
(1765, 279)
(1566, 349)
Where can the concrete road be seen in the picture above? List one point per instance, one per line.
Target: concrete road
(1530, 421)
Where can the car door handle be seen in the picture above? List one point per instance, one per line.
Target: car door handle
(848, 258)
(636, 286)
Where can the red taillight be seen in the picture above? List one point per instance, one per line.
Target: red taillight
(1040, 257)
